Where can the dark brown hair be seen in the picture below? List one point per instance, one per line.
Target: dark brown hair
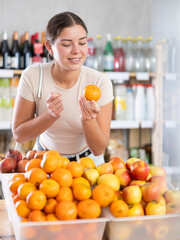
(60, 21)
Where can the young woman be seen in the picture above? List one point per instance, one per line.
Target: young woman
(66, 121)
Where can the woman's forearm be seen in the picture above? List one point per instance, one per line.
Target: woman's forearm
(32, 128)
(96, 139)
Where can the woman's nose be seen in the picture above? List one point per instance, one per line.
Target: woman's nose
(76, 48)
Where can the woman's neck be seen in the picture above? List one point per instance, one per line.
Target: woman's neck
(63, 78)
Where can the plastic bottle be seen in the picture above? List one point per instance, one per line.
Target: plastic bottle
(98, 59)
(91, 54)
(139, 63)
(119, 56)
(150, 102)
(150, 56)
(108, 55)
(129, 104)
(129, 55)
(140, 103)
(120, 102)
(172, 56)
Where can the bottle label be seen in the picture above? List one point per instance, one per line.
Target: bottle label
(108, 62)
(120, 104)
(37, 59)
(14, 62)
(1, 61)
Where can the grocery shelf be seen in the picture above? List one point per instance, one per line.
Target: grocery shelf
(125, 124)
(5, 125)
(6, 73)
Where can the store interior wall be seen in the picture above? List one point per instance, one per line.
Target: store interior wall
(118, 17)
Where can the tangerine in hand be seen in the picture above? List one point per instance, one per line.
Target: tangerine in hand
(92, 92)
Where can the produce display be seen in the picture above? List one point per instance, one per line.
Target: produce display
(53, 188)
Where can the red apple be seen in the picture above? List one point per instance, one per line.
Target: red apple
(150, 192)
(157, 171)
(118, 195)
(117, 163)
(105, 168)
(136, 210)
(132, 194)
(130, 161)
(172, 195)
(172, 208)
(162, 200)
(161, 182)
(124, 176)
(137, 183)
(140, 170)
(155, 208)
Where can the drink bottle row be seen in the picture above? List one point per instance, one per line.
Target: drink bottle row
(22, 53)
(134, 102)
(121, 55)
(8, 90)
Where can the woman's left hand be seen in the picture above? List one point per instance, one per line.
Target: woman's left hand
(89, 109)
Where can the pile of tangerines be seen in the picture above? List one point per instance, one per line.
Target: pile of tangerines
(53, 188)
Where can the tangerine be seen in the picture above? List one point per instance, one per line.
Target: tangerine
(63, 162)
(36, 200)
(80, 180)
(81, 191)
(22, 208)
(119, 208)
(18, 175)
(52, 217)
(36, 176)
(62, 176)
(65, 193)
(50, 161)
(37, 215)
(87, 162)
(50, 187)
(103, 194)
(88, 208)
(14, 183)
(16, 198)
(50, 206)
(66, 210)
(25, 188)
(75, 168)
(92, 92)
(33, 163)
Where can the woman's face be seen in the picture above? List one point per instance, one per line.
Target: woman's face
(70, 48)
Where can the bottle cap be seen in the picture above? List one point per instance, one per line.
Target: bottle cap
(98, 36)
(108, 35)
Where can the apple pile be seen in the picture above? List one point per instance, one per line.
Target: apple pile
(139, 189)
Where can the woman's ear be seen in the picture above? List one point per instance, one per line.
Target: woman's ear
(48, 46)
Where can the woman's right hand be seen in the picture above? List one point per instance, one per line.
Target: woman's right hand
(54, 104)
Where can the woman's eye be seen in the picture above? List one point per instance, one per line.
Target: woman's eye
(66, 45)
(82, 43)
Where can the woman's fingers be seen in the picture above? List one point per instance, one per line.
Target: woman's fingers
(89, 109)
(55, 104)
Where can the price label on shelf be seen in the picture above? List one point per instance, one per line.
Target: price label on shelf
(142, 76)
(6, 73)
(118, 76)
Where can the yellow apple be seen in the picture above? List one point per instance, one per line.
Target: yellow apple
(172, 208)
(91, 175)
(172, 195)
(124, 176)
(136, 210)
(110, 180)
(132, 194)
(155, 208)
(130, 161)
(157, 171)
(161, 181)
(105, 168)
(118, 195)
(137, 183)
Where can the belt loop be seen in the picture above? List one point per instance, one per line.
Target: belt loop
(77, 157)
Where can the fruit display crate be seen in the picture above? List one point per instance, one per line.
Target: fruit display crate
(89, 229)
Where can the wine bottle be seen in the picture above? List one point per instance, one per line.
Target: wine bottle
(26, 52)
(5, 51)
(37, 49)
(1, 58)
(15, 52)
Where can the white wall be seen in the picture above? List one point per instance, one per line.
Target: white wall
(119, 17)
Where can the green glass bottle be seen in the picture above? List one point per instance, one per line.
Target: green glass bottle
(108, 55)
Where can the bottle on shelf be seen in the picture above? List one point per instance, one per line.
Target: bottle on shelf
(129, 55)
(172, 56)
(150, 56)
(139, 55)
(129, 104)
(119, 102)
(6, 99)
(1, 58)
(98, 61)
(150, 102)
(119, 56)
(91, 54)
(37, 49)
(108, 55)
(45, 51)
(26, 51)
(15, 52)
(140, 103)
(5, 51)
